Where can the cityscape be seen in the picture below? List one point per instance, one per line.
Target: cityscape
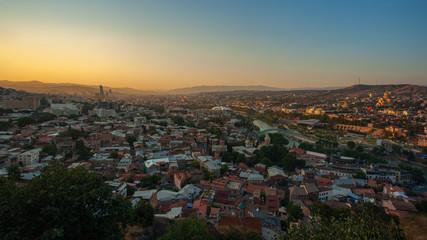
(226, 141)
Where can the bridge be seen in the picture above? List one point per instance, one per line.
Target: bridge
(287, 132)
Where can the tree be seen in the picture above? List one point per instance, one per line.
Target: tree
(13, 173)
(178, 120)
(351, 144)
(131, 139)
(188, 229)
(224, 169)
(114, 155)
(367, 222)
(62, 204)
(360, 175)
(397, 149)
(421, 206)
(241, 158)
(49, 149)
(425, 150)
(294, 212)
(195, 165)
(233, 235)
(85, 153)
(251, 235)
(24, 121)
(143, 213)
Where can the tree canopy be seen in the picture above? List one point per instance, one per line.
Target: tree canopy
(188, 229)
(62, 204)
(276, 155)
(367, 222)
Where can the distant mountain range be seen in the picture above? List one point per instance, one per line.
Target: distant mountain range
(71, 88)
(365, 90)
(67, 88)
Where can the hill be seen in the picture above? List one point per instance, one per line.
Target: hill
(66, 88)
(203, 89)
(377, 90)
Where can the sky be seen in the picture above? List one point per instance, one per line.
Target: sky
(164, 44)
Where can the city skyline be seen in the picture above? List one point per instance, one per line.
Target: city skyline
(166, 45)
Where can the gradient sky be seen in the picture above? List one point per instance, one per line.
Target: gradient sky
(171, 44)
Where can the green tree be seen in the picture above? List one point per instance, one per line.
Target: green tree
(85, 153)
(421, 206)
(241, 158)
(294, 212)
(178, 120)
(195, 165)
(131, 139)
(24, 121)
(251, 235)
(351, 144)
(143, 213)
(224, 169)
(13, 173)
(62, 204)
(49, 149)
(360, 175)
(397, 149)
(368, 222)
(233, 235)
(188, 229)
(114, 155)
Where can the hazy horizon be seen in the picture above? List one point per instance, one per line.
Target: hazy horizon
(153, 45)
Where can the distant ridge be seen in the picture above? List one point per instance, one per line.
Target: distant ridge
(79, 89)
(203, 89)
(360, 89)
(66, 88)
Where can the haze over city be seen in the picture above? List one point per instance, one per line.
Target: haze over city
(172, 44)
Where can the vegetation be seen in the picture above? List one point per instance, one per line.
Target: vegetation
(351, 144)
(13, 173)
(276, 155)
(360, 175)
(188, 229)
(150, 182)
(276, 138)
(24, 121)
(74, 133)
(85, 153)
(421, 206)
(178, 120)
(417, 174)
(49, 149)
(367, 222)
(5, 125)
(294, 212)
(143, 213)
(62, 204)
(131, 139)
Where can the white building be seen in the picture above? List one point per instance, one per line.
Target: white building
(28, 157)
(125, 162)
(63, 109)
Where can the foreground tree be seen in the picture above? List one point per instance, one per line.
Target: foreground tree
(188, 229)
(143, 213)
(62, 204)
(13, 173)
(368, 222)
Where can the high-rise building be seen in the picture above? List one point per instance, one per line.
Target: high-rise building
(101, 92)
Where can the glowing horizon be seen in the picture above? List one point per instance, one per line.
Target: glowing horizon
(167, 45)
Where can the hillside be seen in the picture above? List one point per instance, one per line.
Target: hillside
(376, 90)
(66, 88)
